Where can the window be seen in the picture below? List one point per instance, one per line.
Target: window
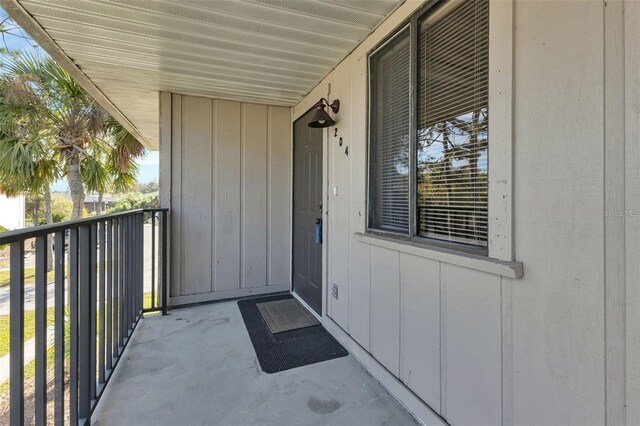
(429, 179)
(389, 156)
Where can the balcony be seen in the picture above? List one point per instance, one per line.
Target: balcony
(113, 354)
(197, 366)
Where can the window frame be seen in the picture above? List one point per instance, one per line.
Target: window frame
(371, 199)
(412, 23)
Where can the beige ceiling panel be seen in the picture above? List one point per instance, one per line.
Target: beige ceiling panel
(263, 51)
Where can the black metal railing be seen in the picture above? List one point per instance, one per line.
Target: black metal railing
(99, 295)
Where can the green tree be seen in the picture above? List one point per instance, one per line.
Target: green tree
(111, 168)
(133, 201)
(39, 100)
(61, 208)
(29, 169)
(149, 187)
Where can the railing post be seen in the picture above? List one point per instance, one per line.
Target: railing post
(41, 331)
(59, 326)
(84, 323)
(16, 336)
(164, 263)
(73, 325)
(153, 260)
(141, 249)
(93, 270)
(101, 300)
(121, 268)
(128, 281)
(109, 294)
(136, 270)
(116, 287)
(130, 266)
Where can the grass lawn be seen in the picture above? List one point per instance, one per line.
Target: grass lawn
(29, 328)
(29, 276)
(30, 368)
(29, 320)
(29, 324)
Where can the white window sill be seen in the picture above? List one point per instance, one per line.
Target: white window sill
(509, 269)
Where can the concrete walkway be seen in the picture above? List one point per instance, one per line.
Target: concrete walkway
(29, 297)
(29, 353)
(197, 367)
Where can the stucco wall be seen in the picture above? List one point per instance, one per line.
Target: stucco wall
(12, 212)
(228, 185)
(556, 346)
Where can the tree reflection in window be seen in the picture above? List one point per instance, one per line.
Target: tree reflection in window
(452, 168)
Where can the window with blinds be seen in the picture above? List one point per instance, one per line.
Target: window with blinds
(432, 183)
(390, 147)
(453, 66)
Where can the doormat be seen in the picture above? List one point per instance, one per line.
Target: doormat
(286, 315)
(288, 349)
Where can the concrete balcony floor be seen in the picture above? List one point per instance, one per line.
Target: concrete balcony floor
(197, 366)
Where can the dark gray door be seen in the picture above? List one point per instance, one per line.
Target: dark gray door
(307, 211)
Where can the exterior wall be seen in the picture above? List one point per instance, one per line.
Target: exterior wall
(629, 298)
(481, 345)
(12, 212)
(229, 195)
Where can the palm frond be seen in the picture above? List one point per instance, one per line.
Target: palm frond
(127, 148)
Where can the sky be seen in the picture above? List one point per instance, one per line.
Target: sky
(14, 39)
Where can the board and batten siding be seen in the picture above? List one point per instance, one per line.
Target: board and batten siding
(629, 297)
(476, 344)
(229, 195)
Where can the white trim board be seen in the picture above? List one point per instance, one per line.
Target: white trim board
(226, 294)
(507, 269)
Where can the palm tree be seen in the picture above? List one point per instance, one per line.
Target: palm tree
(29, 169)
(39, 100)
(109, 167)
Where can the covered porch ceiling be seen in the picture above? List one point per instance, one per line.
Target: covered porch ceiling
(265, 51)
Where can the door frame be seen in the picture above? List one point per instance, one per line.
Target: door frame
(323, 286)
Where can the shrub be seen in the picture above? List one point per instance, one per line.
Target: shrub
(61, 208)
(134, 201)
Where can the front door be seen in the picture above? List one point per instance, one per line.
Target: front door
(307, 212)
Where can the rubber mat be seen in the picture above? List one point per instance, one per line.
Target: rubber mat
(286, 315)
(288, 349)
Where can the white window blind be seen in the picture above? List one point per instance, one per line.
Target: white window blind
(390, 148)
(453, 60)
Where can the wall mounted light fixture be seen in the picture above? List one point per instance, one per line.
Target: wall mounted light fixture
(321, 118)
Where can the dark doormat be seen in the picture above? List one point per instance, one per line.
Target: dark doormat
(286, 315)
(289, 349)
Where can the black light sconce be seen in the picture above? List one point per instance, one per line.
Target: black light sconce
(321, 118)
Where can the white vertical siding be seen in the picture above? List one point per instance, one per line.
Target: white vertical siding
(279, 171)
(558, 317)
(420, 327)
(385, 307)
(359, 311)
(227, 196)
(230, 200)
(339, 205)
(632, 205)
(254, 195)
(477, 347)
(472, 371)
(197, 185)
